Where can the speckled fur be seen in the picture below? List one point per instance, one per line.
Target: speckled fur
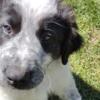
(25, 48)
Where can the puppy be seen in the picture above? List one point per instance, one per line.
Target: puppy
(36, 40)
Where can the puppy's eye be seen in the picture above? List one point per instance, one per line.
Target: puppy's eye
(7, 29)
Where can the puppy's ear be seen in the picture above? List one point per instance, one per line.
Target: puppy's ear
(70, 45)
(72, 41)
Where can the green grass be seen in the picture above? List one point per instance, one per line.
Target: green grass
(86, 62)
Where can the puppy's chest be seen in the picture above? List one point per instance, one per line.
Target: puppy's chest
(53, 84)
(23, 96)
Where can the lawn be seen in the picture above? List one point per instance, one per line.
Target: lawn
(86, 62)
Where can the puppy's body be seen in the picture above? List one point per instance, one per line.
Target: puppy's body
(36, 39)
(58, 81)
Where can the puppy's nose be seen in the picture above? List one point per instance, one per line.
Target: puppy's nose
(30, 80)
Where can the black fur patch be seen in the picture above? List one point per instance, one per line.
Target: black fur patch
(52, 33)
(57, 37)
(54, 97)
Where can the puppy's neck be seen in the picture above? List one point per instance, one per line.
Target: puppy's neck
(56, 64)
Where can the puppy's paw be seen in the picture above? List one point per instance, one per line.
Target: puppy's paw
(73, 95)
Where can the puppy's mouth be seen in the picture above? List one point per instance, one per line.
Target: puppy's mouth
(30, 80)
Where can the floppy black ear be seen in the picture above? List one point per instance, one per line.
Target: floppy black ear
(69, 46)
(72, 41)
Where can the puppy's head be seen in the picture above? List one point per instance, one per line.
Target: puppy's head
(32, 34)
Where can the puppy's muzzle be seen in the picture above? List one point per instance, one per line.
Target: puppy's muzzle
(30, 79)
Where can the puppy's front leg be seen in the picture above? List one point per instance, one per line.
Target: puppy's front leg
(71, 92)
(63, 83)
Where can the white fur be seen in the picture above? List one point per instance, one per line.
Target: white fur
(58, 79)
(39, 8)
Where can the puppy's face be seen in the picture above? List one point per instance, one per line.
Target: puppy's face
(32, 34)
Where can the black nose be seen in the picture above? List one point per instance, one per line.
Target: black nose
(30, 80)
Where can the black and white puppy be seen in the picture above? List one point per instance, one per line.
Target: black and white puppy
(36, 39)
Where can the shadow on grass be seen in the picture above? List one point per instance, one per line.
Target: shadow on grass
(87, 92)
